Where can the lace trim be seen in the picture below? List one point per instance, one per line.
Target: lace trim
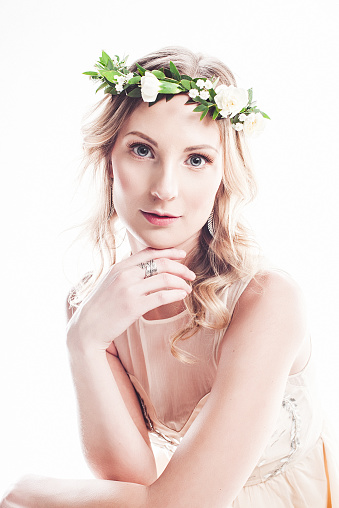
(290, 404)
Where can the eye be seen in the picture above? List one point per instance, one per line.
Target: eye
(141, 150)
(198, 160)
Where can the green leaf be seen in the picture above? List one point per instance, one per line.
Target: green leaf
(166, 87)
(194, 85)
(168, 73)
(170, 80)
(90, 73)
(168, 97)
(205, 103)
(204, 114)
(250, 95)
(174, 71)
(186, 84)
(111, 90)
(104, 58)
(110, 75)
(110, 65)
(212, 93)
(134, 80)
(158, 74)
(103, 85)
(183, 76)
(264, 115)
(216, 113)
(141, 69)
(199, 108)
(136, 92)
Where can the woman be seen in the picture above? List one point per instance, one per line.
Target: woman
(231, 417)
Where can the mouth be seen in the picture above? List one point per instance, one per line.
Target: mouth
(160, 219)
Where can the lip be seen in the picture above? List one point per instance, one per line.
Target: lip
(161, 214)
(159, 220)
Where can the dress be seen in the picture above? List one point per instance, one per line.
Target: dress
(298, 467)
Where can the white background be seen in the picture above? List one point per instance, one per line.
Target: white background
(286, 50)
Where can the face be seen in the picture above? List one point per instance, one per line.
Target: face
(167, 168)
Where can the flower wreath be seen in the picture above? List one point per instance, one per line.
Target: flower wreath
(221, 101)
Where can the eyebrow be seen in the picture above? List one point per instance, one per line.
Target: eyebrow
(188, 149)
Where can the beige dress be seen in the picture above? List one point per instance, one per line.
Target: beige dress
(298, 467)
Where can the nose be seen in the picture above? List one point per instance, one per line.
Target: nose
(164, 185)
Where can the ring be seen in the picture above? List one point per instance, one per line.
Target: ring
(150, 268)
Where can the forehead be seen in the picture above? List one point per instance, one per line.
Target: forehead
(174, 122)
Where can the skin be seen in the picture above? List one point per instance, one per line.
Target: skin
(265, 342)
(161, 171)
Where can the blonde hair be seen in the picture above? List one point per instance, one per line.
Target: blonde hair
(219, 261)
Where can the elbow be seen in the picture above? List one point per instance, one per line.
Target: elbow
(105, 470)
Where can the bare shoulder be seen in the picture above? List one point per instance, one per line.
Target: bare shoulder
(270, 315)
(274, 289)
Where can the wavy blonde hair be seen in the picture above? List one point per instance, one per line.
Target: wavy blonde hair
(218, 261)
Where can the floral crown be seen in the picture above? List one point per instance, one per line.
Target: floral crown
(220, 101)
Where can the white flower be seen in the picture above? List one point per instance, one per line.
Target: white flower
(150, 86)
(121, 80)
(193, 93)
(129, 76)
(242, 117)
(230, 99)
(119, 87)
(204, 95)
(254, 123)
(208, 84)
(201, 83)
(238, 126)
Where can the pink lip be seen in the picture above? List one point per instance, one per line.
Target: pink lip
(159, 220)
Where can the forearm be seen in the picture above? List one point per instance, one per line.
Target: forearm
(112, 443)
(35, 491)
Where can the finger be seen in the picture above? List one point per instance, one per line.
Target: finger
(165, 265)
(149, 253)
(163, 297)
(160, 282)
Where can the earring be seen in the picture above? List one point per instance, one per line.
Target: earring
(210, 224)
(111, 210)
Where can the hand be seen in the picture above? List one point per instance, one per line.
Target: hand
(124, 295)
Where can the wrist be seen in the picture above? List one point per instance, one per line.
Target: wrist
(78, 346)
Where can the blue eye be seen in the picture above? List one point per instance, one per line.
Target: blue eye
(197, 161)
(141, 150)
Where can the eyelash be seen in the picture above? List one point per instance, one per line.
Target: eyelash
(207, 159)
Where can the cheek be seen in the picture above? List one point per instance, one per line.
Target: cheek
(202, 193)
(124, 180)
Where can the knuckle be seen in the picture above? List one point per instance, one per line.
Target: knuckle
(167, 279)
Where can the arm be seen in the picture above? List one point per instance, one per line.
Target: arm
(112, 428)
(224, 443)
(114, 434)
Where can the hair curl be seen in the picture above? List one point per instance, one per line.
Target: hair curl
(218, 261)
